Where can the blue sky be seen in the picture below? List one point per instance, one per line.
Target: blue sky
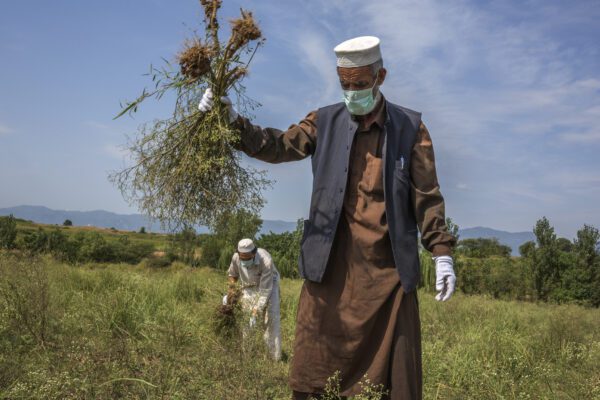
(510, 91)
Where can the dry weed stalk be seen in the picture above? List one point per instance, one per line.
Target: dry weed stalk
(186, 169)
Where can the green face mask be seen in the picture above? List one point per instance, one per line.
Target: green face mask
(360, 102)
(247, 263)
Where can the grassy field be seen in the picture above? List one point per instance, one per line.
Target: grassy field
(119, 331)
(158, 240)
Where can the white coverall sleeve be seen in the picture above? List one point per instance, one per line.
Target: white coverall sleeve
(233, 267)
(266, 279)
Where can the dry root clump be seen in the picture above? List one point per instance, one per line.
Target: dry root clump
(194, 59)
(244, 30)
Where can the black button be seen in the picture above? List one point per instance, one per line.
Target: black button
(341, 190)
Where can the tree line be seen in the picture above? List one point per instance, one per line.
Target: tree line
(80, 247)
(550, 268)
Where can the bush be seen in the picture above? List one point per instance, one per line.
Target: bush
(94, 248)
(8, 232)
(35, 242)
(130, 252)
(499, 277)
(483, 247)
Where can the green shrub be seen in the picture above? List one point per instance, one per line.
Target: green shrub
(482, 248)
(8, 232)
(131, 252)
(35, 242)
(95, 248)
(499, 277)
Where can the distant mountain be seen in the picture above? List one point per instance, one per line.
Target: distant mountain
(512, 239)
(133, 222)
(106, 219)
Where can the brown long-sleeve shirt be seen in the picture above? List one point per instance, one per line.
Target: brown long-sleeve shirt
(300, 140)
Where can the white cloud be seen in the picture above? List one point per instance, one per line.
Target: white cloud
(101, 128)
(317, 57)
(5, 130)
(118, 152)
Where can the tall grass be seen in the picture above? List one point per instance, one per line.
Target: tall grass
(118, 331)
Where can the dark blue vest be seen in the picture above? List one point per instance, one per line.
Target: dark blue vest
(335, 133)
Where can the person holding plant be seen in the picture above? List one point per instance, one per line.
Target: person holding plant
(374, 187)
(253, 269)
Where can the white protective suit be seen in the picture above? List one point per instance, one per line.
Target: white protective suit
(260, 289)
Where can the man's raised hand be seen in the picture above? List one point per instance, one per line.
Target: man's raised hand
(206, 104)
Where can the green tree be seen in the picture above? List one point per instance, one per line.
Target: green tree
(8, 232)
(142, 229)
(564, 244)
(526, 249)
(545, 264)
(285, 249)
(581, 279)
(230, 228)
(68, 222)
(483, 247)
(236, 226)
(452, 228)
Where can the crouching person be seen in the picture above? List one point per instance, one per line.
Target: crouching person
(254, 270)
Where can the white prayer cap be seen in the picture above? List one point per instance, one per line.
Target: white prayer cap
(245, 246)
(358, 52)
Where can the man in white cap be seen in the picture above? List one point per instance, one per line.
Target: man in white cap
(254, 270)
(374, 185)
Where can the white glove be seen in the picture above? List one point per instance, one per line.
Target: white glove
(445, 280)
(206, 104)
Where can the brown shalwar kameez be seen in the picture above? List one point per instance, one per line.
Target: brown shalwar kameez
(358, 320)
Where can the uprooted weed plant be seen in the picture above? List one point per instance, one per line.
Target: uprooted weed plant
(187, 169)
